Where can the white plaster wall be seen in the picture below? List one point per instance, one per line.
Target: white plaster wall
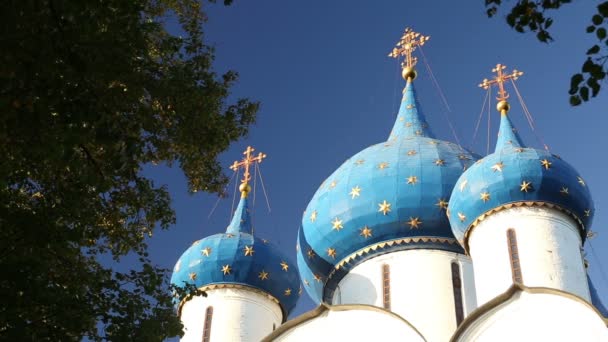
(352, 325)
(549, 252)
(538, 317)
(421, 288)
(238, 315)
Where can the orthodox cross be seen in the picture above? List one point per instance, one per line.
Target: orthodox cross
(406, 45)
(500, 80)
(248, 160)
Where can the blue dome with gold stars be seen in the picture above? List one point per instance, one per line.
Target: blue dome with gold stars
(239, 259)
(515, 175)
(390, 196)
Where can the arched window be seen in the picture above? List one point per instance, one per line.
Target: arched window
(457, 288)
(386, 286)
(207, 327)
(514, 256)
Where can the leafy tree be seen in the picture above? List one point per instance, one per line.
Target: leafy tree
(90, 92)
(531, 15)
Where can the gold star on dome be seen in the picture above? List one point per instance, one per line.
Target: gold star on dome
(546, 164)
(206, 251)
(332, 184)
(442, 204)
(263, 275)
(519, 150)
(401, 118)
(383, 165)
(587, 212)
(418, 132)
(360, 162)
(462, 217)
(409, 106)
(313, 216)
(317, 277)
(463, 184)
(581, 181)
(408, 124)
(226, 269)
(439, 162)
(498, 167)
(337, 224)
(355, 192)
(310, 253)
(192, 276)
(385, 207)
(288, 292)
(414, 222)
(331, 252)
(411, 152)
(306, 282)
(366, 232)
(248, 250)
(525, 186)
(412, 180)
(485, 196)
(284, 266)
(564, 191)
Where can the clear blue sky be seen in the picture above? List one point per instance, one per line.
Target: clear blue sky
(328, 90)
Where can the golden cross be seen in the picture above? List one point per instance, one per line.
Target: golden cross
(406, 45)
(248, 160)
(500, 80)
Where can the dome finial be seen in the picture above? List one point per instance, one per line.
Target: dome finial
(405, 46)
(244, 188)
(502, 106)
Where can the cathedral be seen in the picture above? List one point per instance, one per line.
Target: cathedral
(411, 239)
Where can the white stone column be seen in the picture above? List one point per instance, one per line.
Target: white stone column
(421, 288)
(549, 252)
(239, 314)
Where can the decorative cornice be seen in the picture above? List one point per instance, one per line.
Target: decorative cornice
(538, 204)
(390, 243)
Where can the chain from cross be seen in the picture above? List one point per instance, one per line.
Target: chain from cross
(246, 162)
(406, 45)
(500, 80)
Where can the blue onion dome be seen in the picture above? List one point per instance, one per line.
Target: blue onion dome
(239, 259)
(515, 175)
(390, 196)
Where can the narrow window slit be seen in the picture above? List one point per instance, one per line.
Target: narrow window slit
(457, 287)
(386, 286)
(514, 257)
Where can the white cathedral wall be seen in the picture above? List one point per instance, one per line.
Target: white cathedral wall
(538, 317)
(238, 315)
(352, 325)
(549, 246)
(421, 288)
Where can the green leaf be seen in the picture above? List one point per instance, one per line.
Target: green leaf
(590, 28)
(603, 9)
(601, 33)
(574, 83)
(595, 49)
(575, 100)
(597, 19)
(584, 93)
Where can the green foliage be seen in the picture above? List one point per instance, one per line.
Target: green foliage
(530, 15)
(90, 91)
